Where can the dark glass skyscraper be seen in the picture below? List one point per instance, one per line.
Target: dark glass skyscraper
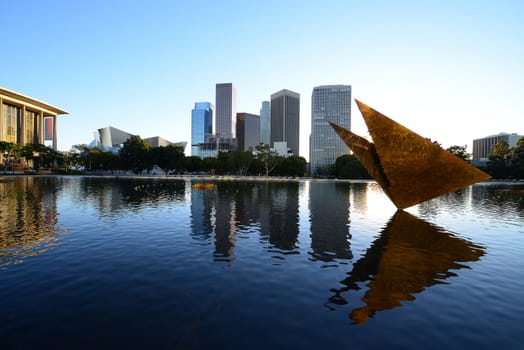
(285, 119)
(248, 131)
(201, 126)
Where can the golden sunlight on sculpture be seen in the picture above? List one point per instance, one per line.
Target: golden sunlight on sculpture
(410, 168)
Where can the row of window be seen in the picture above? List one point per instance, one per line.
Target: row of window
(14, 125)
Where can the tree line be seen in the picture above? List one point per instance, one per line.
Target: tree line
(136, 155)
(506, 162)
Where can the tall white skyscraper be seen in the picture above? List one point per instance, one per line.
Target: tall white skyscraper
(225, 110)
(329, 103)
(265, 123)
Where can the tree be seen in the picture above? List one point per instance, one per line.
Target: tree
(135, 154)
(168, 158)
(517, 161)
(499, 161)
(10, 151)
(42, 156)
(210, 165)
(193, 164)
(239, 161)
(460, 151)
(267, 156)
(349, 167)
(290, 166)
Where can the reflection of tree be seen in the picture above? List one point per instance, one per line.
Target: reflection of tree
(28, 218)
(409, 256)
(110, 195)
(505, 200)
(329, 217)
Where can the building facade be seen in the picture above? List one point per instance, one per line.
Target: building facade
(265, 123)
(330, 103)
(248, 131)
(25, 120)
(201, 126)
(111, 139)
(482, 147)
(285, 119)
(226, 110)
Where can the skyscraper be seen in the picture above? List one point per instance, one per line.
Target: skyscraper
(285, 119)
(330, 103)
(226, 110)
(248, 131)
(201, 126)
(265, 123)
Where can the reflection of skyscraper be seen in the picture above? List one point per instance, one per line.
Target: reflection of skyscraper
(329, 218)
(358, 195)
(283, 215)
(225, 225)
(330, 103)
(247, 204)
(201, 213)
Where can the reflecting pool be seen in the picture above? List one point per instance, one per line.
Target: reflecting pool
(165, 263)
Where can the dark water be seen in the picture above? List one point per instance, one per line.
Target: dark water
(163, 264)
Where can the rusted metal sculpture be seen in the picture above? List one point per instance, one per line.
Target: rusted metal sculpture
(410, 168)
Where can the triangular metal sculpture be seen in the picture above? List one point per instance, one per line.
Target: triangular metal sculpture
(410, 168)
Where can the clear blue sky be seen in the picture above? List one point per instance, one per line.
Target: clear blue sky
(451, 70)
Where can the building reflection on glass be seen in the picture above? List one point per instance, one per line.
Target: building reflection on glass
(329, 219)
(409, 256)
(28, 218)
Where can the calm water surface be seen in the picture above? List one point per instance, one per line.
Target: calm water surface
(167, 264)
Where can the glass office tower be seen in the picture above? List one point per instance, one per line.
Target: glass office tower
(201, 126)
(330, 103)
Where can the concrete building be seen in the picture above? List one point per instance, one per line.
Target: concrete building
(248, 131)
(265, 123)
(482, 147)
(226, 110)
(201, 126)
(329, 103)
(285, 119)
(25, 120)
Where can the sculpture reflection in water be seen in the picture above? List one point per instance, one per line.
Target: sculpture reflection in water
(28, 218)
(409, 256)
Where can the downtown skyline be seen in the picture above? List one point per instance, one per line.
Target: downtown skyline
(448, 71)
